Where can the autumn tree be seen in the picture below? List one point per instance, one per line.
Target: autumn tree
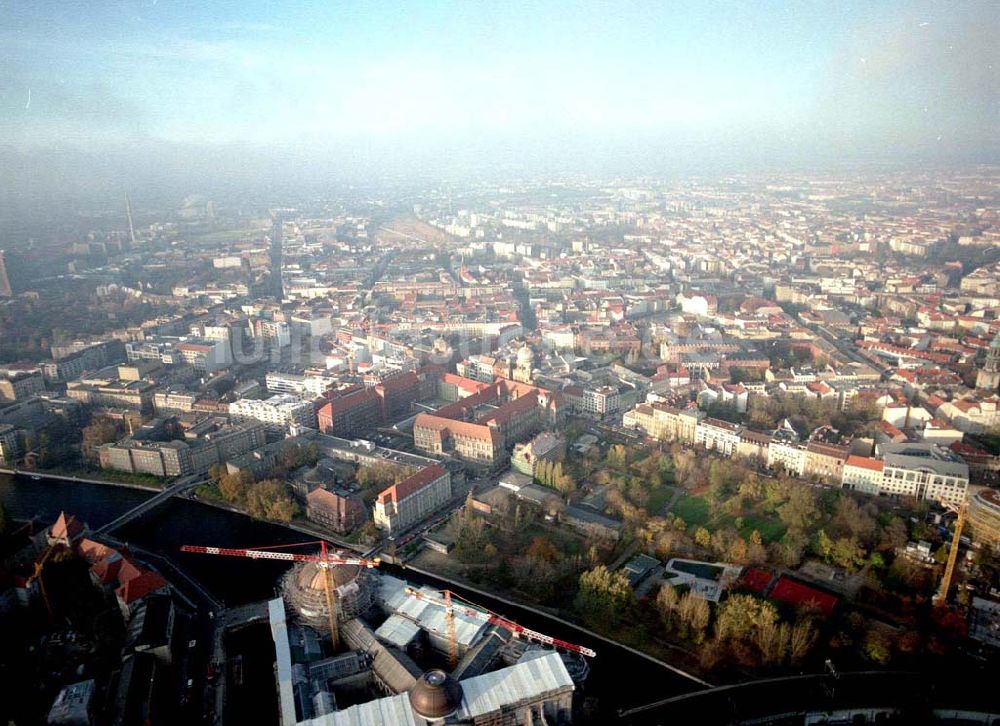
(750, 488)
(667, 601)
(542, 549)
(801, 639)
(771, 639)
(604, 596)
(294, 457)
(566, 484)
(753, 632)
(894, 534)
(685, 465)
(789, 550)
(693, 615)
(543, 472)
(235, 487)
(877, 646)
(381, 474)
(271, 499)
(740, 615)
(471, 538)
(800, 510)
(847, 553)
(617, 457)
(100, 431)
(850, 519)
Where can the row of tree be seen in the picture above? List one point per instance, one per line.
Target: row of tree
(550, 474)
(265, 499)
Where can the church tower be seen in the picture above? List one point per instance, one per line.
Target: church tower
(988, 378)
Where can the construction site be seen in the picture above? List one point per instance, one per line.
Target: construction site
(355, 647)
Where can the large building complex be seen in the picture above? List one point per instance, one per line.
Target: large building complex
(498, 681)
(278, 413)
(351, 411)
(181, 458)
(113, 393)
(924, 471)
(406, 503)
(482, 427)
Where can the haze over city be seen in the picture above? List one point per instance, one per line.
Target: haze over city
(499, 364)
(225, 94)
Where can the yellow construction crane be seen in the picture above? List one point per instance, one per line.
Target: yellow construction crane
(37, 576)
(324, 560)
(474, 611)
(941, 597)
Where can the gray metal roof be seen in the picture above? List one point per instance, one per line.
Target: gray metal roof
(283, 651)
(526, 681)
(398, 631)
(429, 616)
(391, 711)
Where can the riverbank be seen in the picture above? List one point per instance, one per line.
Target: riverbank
(300, 527)
(558, 619)
(42, 475)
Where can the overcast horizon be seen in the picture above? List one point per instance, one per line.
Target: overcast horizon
(161, 96)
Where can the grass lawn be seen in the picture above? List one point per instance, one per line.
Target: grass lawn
(771, 528)
(658, 499)
(693, 510)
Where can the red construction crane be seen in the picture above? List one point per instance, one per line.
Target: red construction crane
(324, 560)
(448, 602)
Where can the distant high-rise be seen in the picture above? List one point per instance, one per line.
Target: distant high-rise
(5, 290)
(131, 227)
(276, 242)
(988, 378)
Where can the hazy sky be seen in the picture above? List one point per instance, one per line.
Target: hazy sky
(630, 81)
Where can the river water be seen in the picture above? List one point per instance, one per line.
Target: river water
(618, 677)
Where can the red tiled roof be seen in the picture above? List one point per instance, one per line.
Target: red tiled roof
(508, 410)
(106, 569)
(864, 462)
(412, 483)
(93, 552)
(395, 383)
(128, 571)
(66, 527)
(466, 384)
(140, 586)
(889, 429)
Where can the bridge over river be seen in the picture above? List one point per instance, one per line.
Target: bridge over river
(179, 487)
